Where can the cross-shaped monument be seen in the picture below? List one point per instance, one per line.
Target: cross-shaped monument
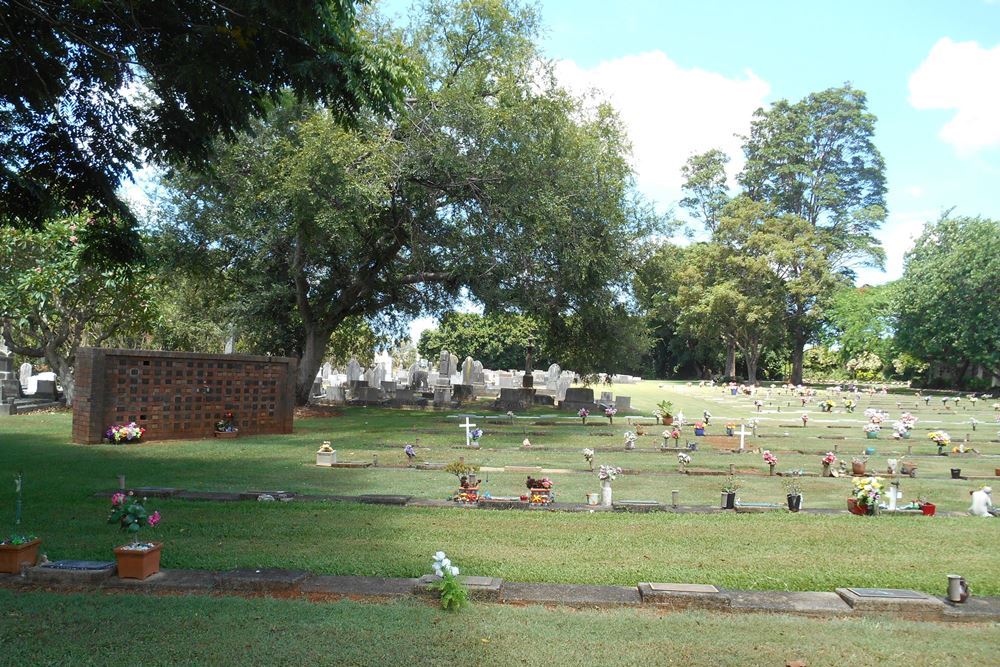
(743, 435)
(468, 431)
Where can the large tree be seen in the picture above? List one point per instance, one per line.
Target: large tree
(493, 181)
(816, 160)
(92, 89)
(498, 340)
(946, 302)
(53, 299)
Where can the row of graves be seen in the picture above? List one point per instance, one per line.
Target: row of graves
(449, 384)
(23, 390)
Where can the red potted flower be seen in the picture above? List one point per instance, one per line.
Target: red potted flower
(927, 508)
(137, 560)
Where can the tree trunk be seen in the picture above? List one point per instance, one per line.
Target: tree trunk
(731, 359)
(798, 353)
(65, 374)
(312, 358)
(751, 360)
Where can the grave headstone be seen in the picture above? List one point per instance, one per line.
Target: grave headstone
(623, 402)
(442, 395)
(467, 368)
(418, 376)
(354, 371)
(42, 385)
(24, 373)
(606, 397)
(561, 387)
(478, 375)
(552, 377)
(445, 368)
(335, 394)
(326, 371)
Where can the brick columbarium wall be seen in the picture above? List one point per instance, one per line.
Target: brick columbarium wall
(180, 394)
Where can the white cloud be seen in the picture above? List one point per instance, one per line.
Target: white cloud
(962, 76)
(671, 112)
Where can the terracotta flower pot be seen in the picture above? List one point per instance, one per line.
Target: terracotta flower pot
(136, 564)
(667, 420)
(12, 556)
(861, 510)
(858, 468)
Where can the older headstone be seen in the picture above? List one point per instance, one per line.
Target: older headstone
(418, 376)
(552, 377)
(623, 402)
(42, 385)
(478, 374)
(467, 367)
(326, 371)
(354, 371)
(561, 387)
(335, 394)
(442, 396)
(24, 373)
(445, 367)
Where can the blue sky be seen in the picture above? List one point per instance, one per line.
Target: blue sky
(687, 75)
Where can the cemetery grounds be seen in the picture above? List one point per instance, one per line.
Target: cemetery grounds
(775, 550)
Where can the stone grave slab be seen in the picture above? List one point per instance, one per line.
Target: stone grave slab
(480, 588)
(903, 601)
(262, 580)
(72, 572)
(683, 596)
(156, 491)
(187, 581)
(522, 468)
(378, 499)
(636, 505)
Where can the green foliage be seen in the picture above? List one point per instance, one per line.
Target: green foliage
(54, 298)
(859, 320)
(815, 164)
(945, 305)
(498, 340)
(666, 408)
(820, 363)
(460, 468)
(130, 514)
(454, 596)
(192, 70)
(866, 367)
(492, 180)
(705, 186)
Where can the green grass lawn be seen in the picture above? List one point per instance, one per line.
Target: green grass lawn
(773, 551)
(95, 629)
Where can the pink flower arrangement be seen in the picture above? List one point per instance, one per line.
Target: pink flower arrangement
(830, 458)
(769, 458)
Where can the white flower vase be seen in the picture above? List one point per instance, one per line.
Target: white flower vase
(606, 493)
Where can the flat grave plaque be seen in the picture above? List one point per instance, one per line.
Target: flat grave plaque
(887, 593)
(84, 565)
(683, 588)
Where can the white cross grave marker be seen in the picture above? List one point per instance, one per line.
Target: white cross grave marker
(894, 496)
(743, 435)
(468, 431)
